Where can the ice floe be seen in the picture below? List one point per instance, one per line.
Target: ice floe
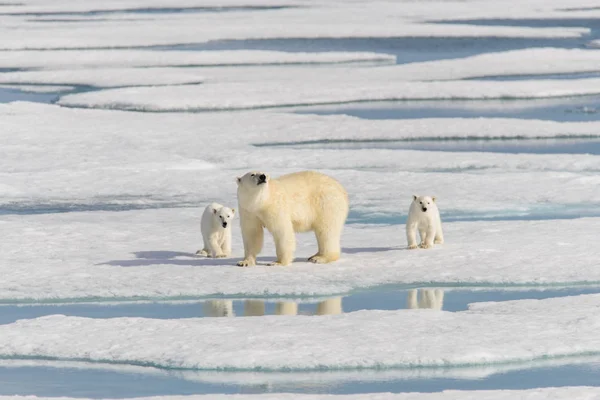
(491, 333)
(249, 95)
(96, 59)
(149, 254)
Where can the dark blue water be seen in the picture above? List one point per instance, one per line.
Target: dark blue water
(565, 109)
(9, 95)
(380, 299)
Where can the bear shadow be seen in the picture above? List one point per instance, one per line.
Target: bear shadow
(356, 250)
(162, 257)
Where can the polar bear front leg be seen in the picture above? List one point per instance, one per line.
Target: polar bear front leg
(226, 245)
(215, 247)
(252, 236)
(285, 244)
(411, 236)
(427, 241)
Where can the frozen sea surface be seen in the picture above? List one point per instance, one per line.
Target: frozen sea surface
(99, 209)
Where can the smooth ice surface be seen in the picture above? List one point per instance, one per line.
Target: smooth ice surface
(149, 254)
(488, 333)
(249, 95)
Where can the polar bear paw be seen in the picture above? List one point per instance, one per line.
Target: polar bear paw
(412, 246)
(439, 241)
(318, 259)
(246, 263)
(221, 255)
(275, 264)
(425, 246)
(203, 253)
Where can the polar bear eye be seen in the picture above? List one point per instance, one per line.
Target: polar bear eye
(253, 175)
(421, 202)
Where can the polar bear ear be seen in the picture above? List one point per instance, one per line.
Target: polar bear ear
(415, 197)
(433, 199)
(233, 211)
(239, 180)
(215, 210)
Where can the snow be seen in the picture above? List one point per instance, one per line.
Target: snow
(249, 95)
(149, 254)
(572, 393)
(507, 332)
(96, 59)
(287, 23)
(135, 159)
(113, 77)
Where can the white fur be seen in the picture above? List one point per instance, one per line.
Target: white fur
(428, 223)
(298, 202)
(217, 238)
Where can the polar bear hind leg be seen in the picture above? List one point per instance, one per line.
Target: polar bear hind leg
(328, 238)
(439, 235)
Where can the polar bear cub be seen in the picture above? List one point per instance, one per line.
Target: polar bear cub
(216, 230)
(424, 216)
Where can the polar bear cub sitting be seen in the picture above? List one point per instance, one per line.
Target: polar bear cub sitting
(424, 216)
(216, 230)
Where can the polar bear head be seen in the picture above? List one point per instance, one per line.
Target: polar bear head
(253, 190)
(223, 215)
(424, 202)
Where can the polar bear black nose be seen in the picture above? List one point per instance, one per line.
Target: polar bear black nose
(262, 177)
(224, 224)
(424, 209)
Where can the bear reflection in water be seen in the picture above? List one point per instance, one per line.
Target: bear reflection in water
(256, 308)
(416, 298)
(426, 298)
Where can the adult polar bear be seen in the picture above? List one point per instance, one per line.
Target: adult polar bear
(299, 202)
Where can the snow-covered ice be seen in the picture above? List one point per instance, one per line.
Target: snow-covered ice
(489, 333)
(97, 59)
(250, 95)
(149, 254)
(373, 19)
(58, 162)
(149, 159)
